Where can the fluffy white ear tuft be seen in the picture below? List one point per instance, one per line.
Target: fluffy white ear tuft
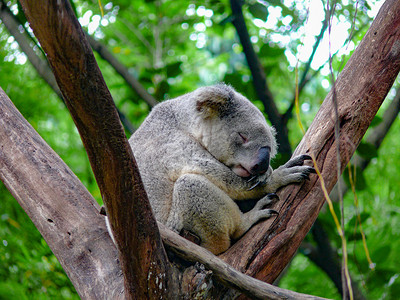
(213, 100)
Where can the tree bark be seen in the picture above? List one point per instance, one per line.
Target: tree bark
(59, 205)
(143, 259)
(271, 244)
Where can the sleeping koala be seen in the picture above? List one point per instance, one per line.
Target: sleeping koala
(199, 153)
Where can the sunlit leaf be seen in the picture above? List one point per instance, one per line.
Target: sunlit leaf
(258, 10)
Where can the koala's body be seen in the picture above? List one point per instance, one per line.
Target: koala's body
(200, 153)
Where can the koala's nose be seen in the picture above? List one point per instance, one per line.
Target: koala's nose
(262, 162)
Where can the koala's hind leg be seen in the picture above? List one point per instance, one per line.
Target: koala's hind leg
(205, 210)
(259, 212)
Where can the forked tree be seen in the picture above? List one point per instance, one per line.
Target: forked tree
(151, 261)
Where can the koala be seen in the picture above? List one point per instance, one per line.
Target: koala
(202, 152)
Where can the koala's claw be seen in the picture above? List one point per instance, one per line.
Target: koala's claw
(298, 160)
(252, 178)
(273, 212)
(255, 185)
(306, 173)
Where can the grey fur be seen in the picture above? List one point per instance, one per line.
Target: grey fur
(199, 153)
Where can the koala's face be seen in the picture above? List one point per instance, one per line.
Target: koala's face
(239, 137)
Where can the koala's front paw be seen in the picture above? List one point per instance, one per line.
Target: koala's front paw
(291, 172)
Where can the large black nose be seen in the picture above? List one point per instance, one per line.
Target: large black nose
(261, 164)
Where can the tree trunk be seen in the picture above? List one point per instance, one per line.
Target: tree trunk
(143, 259)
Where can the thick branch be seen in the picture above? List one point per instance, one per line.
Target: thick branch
(36, 176)
(259, 79)
(143, 259)
(374, 138)
(325, 255)
(230, 277)
(359, 95)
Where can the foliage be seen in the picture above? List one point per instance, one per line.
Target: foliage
(172, 47)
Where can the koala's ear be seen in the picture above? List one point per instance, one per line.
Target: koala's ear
(212, 101)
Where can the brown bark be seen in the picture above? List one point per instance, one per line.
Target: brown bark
(60, 207)
(142, 255)
(360, 90)
(253, 288)
(324, 255)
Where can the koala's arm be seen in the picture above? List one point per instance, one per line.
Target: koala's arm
(239, 188)
(291, 172)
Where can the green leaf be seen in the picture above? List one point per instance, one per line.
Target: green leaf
(380, 277)
(376, 121)
(162, 89)
(363, 216)
(354, 236)
(174, 69)
(367, 151)
(226, 20)
(381, 254)
(233, 79)
(395, 289)
(259, 11)
(268, 51)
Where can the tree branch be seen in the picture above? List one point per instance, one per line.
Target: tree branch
(375, 138)
(230, 277)
(68, 218)
(59, 205)
(324, 256)
(143, 259)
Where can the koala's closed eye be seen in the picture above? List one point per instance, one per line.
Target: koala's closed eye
(243, 137)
